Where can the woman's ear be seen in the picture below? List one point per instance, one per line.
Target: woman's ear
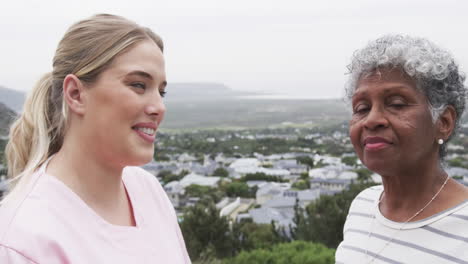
(73, 93)
(446, 122)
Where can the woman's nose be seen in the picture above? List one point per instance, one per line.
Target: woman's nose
(155, 105)
(376, 118)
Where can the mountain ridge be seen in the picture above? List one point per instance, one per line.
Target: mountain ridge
(13, 99)
(7, 116)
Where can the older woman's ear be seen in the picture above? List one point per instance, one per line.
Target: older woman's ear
(446, 122)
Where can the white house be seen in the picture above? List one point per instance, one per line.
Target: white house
(174, 191)
(185, 157)
(290, 165)
(245, 163)
(193, 178)
(269, 190)
(334, 185)
(304, 197)
(252, 165)
(348, 175)
(327, 172)
(265, 215)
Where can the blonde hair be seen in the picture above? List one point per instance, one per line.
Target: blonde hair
(86, 50)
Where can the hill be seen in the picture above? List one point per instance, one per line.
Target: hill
(201, 92)
(213, 105)
(252, 113)
(6, 117)
(12, 99)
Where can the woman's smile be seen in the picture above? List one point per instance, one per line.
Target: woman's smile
(376, 143)
(391, 127)
(147, 131)
(128, 95)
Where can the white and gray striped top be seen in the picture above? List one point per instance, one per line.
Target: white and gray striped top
(441, 238)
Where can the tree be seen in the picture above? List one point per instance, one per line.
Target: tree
(200, 157)
(183, 173)
(221, 172)
(205, 193)
(248, 235)
(322, 220)
(260, 176)
(349, 160)
(296, 252)
(212, 156)
(306, 160)
(2, 153)
(458, 162)
(168, 176)
(206, 234)
(320, 164)
(305, 176)
(161, 157)
(364, 175)
(301, 185)
(241, 189)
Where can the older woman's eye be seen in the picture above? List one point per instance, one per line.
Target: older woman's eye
(396, 102)
(398, 106)
(361, 109)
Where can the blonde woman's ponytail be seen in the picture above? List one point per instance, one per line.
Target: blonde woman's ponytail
(29, 140)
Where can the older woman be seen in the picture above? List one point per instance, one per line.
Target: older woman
(407, 99)
(76, 196)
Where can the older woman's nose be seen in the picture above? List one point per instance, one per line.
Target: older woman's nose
(375, 119)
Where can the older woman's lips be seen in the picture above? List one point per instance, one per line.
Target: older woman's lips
(376, 143)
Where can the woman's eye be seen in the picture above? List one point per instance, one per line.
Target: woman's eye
(397, 105)
(138, 85)
(361, 109)
(396, 102)
(162, 93)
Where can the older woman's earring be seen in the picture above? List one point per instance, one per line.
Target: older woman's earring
(440, 141)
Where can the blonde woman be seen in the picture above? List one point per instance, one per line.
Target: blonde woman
(75, 197)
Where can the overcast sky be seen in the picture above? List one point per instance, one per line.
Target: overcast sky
(295, 48)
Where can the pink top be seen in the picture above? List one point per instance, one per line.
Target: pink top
(52, 225)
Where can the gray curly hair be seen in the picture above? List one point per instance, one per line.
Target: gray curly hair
(433, 69)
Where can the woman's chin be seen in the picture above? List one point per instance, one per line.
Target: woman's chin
(140, 159)
(377, 166)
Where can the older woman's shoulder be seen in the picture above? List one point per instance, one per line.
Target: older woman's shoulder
(371, 193)
(366, 198)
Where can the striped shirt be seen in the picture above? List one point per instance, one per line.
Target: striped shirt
(369, 237)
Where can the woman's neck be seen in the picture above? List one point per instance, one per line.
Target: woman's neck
(97, 182)
(407, 192)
